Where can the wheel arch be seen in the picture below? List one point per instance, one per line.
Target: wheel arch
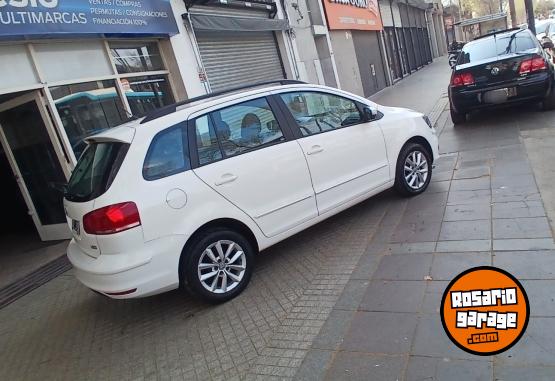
(228, 223)
(422, 141)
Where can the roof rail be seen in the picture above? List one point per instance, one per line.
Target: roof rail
(166, 110)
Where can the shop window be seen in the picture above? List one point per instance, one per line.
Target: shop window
(145, 94)
(88, 108)
(136, 57)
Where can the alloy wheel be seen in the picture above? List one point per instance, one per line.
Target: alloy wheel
(222, 266)
(416, 170)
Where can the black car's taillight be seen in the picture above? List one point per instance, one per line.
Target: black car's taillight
(462, 79)
(532, 65)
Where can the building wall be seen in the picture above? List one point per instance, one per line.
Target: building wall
(370, 61)
(346, 60)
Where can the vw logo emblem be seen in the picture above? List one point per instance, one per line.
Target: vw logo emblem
(495, 71)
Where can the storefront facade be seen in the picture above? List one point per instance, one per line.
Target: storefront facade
(355, 33)
(69, 71)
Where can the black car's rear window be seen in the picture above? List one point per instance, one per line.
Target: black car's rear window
(497, 45)
(96, 169)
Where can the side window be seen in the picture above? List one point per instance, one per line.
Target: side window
(207, 143)
(245, 126)
(320, 112)
(168, 154)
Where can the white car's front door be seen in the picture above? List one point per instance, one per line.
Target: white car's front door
(347, 157)
(244, 155)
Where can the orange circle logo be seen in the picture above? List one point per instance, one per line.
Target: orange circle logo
(485, 310)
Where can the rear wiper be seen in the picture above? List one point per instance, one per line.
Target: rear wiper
(513, 36)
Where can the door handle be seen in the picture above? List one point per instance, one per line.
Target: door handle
(315, 149)
(227, 178)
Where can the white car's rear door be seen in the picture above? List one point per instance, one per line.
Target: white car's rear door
(245, 155)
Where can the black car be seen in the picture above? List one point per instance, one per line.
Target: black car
(501, 68)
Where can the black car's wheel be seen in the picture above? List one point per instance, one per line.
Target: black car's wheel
(549, 102)
(457, 117)
(414, 170)
(218, 266)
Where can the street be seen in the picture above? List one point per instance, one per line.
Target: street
(355, 297)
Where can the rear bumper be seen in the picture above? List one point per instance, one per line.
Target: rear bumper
(535, 88)
(150, 270)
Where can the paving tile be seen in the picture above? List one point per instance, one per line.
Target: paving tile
(408, 248)
(446, 266)
(472, 172)
(352, 294)
(314, 365)
(431, 340)
(416, 232)
(427, 201)
(541, 297)
(471, 184)
(438, 186)
(522, 372)
(443, 368)
(482, 196)
(501, 168)
(523, 244)
(423, 216)
(463, 230)
(470, 163)
(467, 212)
(532, 227)
(432, 296)
(517, 209)
(535, 348)
(466, 245)
(366, 266)
(441, 176)
(404, 267)
(527, 264)
(516, 193)
(362, 366)
(334, 329)
(527, 180)
(380, 332)
(393, 296)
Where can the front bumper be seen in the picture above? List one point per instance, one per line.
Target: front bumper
(534, 88)
(150, 270)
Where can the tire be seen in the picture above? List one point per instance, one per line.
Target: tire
(458, 117)
(549, 102)
(197, 263)
(415, 184)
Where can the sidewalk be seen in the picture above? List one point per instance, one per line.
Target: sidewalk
(482, 208)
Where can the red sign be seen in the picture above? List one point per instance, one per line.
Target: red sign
(353, 14)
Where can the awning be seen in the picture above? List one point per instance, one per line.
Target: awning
(213, 23)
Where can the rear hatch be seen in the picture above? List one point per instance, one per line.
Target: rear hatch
(496, 60)
(94, 173)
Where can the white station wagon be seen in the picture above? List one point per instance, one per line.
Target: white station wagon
(188, 195)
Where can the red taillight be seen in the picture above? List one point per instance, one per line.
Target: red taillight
(531, 65)
(461, 79)
(112, 219)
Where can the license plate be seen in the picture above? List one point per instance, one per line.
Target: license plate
(496, 96)
(76, 227)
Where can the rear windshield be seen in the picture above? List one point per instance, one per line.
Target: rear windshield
(498, 45)
(96, 169)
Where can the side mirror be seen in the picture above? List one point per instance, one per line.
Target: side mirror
(369, 113)
(547, 43)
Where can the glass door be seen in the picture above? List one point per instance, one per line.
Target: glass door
(29, 141)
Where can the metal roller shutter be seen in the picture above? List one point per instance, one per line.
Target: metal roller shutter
(238, 58)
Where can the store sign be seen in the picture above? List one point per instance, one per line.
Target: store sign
(50, 17)
(353, 14)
